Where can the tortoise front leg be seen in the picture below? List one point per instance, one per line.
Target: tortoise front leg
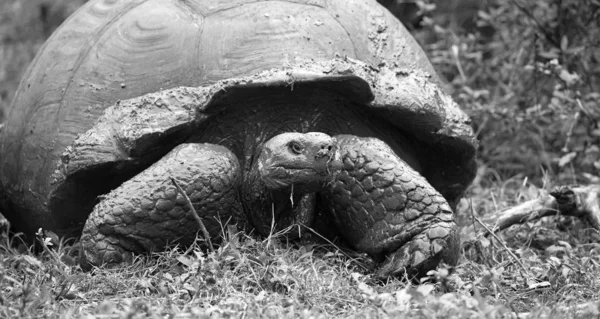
(146, 213)
(384, 207)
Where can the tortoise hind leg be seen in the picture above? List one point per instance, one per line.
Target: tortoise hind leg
(146, 213)
(384, 207)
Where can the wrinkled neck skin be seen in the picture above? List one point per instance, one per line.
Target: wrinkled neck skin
(266, 205)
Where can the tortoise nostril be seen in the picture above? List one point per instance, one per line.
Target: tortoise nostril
(326, 147)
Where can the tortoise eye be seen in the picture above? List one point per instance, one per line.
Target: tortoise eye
(296, 148)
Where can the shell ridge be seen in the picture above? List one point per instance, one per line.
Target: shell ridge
(232, 6)
(191, 7)
(82, 57)
(259, 1)
(348, 35)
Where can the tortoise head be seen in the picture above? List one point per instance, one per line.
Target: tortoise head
(303, 159)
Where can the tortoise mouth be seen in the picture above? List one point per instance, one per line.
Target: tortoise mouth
(308, 176)
(308, 179)
(323, 166)
(296, 169)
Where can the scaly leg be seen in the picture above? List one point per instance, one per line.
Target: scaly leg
(384, 207)
(146, 213)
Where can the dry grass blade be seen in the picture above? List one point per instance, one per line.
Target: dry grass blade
(195, 213)
(353, 259)
(500, 241)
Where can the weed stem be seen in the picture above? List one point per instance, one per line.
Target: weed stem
(195, 213)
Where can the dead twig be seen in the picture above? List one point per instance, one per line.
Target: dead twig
(578, 201)
(195, 213)
(501, 242)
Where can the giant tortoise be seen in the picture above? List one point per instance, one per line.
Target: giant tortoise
(268, 113)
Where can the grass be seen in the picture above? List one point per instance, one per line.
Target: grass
(267, 277)
(547, 268)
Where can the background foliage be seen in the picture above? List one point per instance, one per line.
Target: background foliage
(528, 73)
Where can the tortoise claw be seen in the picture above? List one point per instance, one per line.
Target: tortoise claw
(104, 251)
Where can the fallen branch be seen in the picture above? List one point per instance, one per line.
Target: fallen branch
(196, 216)
(578, 201)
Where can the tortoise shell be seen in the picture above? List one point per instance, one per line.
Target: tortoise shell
(113, 50)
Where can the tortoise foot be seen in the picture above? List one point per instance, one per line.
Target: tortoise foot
(106, 250)
(382, 206)
(146, 213)
(423, 253)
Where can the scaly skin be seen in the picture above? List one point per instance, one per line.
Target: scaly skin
(147, 213)
(378, 202)
(384, 207)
